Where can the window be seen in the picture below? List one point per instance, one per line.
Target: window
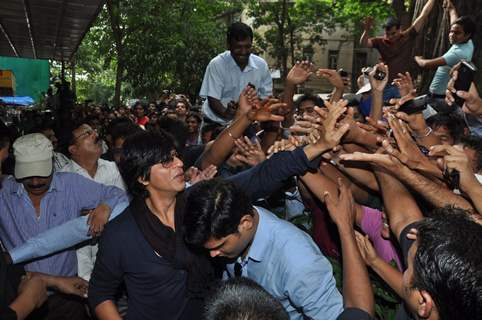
(333, 59)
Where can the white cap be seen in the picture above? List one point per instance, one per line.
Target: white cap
(366, 86)
(33, 156)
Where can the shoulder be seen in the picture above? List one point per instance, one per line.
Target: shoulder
(121, 226)
(258, 61)
(220, 59)
(296, 245)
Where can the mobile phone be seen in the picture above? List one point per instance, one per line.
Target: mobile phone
(453, 178)
(413, 106)
(342, 73)
(465, 77)
(379, 74)
(251, 85)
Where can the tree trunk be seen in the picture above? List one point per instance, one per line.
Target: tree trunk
(113, 8)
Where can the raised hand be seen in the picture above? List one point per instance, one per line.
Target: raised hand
(385, 161)
(409, 153)
(332, 76)
(299, 73)
(368, 23)
(454, 158)
(266, 110)
(248, 152)
(404, 83)
(367, 251)
(341, 207)
(378, 85)
(194, 175)
(332, 131)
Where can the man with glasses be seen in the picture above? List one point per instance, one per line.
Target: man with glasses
(37, 199)
(85, 149)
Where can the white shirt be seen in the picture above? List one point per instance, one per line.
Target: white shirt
(224, 80)
(108, 174)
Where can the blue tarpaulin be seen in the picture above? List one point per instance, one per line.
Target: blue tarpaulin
(21, 101)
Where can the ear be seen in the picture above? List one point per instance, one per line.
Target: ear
(426, 305)
(142, 181)
(72, 148)
(246, 223)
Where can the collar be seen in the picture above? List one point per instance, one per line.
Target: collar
(250, 66)
(262, 239)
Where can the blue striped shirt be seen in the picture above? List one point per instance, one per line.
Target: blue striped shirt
(67, 195)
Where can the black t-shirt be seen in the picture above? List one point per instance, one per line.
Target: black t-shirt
(405, 244)
(354, 314)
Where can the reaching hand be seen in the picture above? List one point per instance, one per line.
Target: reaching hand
(332, 76)
(404, 83)
(331, 132)
(300, 72)
(368, 24)
(266, 111)
(194, 175)
(454, 158)
(367, 251)
(284, 145)
(248, 152)
(385, 161)
(378, 85)
(71, 285)
(248, 99)
(409, 153)
(98, 218)
(341, 207)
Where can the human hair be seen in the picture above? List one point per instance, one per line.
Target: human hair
(214, 209)
(448, 263)
(468, 24)
(454, 123)
(392, 22)
(194, 115)
(243, 299)
(177, 128)
(5, 135)
(239, 31)
(309, 97)
(475, 143)
(141, 151)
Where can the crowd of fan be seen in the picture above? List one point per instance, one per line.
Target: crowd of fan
(244, 210)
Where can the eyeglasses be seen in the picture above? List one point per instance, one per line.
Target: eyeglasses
(87, 132)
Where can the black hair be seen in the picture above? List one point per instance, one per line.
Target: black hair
(243, 299)
(239, 31)
(454, 123)
(309, 97)
(195, 115)
(141, 151)
(214, 209)
(5, 135)
(178, 129)
(475, 143)
(392, 22)
(448, 263)
(468, 24)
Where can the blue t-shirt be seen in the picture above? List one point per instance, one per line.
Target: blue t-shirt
(456, 53)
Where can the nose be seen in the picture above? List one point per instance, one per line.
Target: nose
(214, 253)
(178, 162)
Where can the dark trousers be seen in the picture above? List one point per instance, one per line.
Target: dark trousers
(61, 307)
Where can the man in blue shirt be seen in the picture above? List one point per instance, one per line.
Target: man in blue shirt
(37, 199)
(460, 37)
(230, 72)
(281, 258)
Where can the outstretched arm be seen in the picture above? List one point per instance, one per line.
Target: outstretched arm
(420, 21)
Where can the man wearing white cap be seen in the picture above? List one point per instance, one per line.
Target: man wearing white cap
(38, 198)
